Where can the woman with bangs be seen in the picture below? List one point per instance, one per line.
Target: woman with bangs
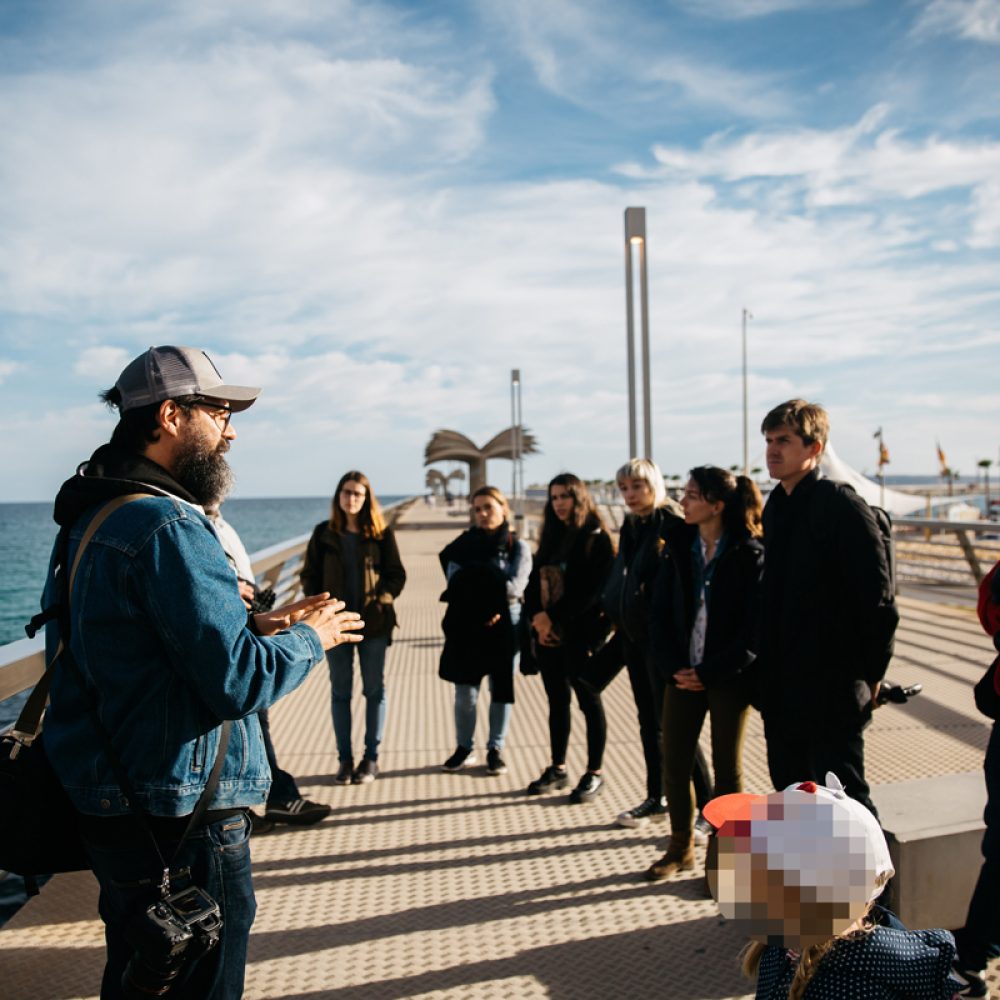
(562, 602)
(354, 557)
(626, 600)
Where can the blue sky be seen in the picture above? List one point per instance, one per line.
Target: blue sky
(376, 210)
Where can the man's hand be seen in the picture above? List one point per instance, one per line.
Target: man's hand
(325, 616)
(246, 592)
(333, 624)
(687, 680)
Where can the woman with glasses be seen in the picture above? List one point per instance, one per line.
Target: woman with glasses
(703, 636)
(354, 556)
(487, 568)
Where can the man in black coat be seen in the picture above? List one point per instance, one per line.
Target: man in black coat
(829, 616)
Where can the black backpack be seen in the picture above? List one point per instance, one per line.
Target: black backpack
(882, 519)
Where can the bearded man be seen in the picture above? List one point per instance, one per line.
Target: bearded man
(160, 652)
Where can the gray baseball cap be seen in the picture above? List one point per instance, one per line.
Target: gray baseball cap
(168, 372)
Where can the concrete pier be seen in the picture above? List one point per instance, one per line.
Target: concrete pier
(426, 884)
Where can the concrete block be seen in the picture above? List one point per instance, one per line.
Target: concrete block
(934, 827)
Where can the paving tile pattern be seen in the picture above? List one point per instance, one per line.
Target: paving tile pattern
(427, 884)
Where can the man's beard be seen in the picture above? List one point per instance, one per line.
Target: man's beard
(203, 471)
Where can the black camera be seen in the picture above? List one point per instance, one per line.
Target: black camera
(263, 600)
(172, 933)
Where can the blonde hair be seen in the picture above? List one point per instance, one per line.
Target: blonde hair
(649, 472)
(811, 957)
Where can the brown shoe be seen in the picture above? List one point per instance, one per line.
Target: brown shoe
(677, 859)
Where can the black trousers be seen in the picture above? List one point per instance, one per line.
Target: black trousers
(560, 670)
(796, 753)
(982, 925)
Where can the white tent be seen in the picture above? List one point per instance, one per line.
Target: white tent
(895, 502)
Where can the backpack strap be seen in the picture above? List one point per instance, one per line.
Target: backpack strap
(29, 720)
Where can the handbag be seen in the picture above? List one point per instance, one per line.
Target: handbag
(985, 692)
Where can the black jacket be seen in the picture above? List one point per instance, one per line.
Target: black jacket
(733, 607)
(629, 584)
(829, 616)
(577, 614)
(382, 575)
(477, 591)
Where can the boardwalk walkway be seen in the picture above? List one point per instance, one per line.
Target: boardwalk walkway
(427, 884)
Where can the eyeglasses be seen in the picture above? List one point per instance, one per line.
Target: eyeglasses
(220, 414)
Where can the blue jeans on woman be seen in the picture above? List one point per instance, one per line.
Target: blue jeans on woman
(371, 655)
(466, 698)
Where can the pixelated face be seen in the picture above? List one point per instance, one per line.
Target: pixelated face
(794, 873)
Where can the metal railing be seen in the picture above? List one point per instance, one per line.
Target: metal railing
(931, 550)
(278, 566)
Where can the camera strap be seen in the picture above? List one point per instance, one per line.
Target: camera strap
(29, 721)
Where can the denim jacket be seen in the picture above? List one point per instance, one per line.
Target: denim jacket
(160, 633)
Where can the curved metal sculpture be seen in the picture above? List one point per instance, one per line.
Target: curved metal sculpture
(450, 446)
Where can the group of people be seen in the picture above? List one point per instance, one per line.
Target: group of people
(703, 624)
(152, 646)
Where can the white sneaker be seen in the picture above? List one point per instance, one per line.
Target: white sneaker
(702, 831)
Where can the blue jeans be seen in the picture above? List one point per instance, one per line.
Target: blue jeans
(218, 857)
(371, 654)
(466, 697)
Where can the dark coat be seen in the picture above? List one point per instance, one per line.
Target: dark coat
(472, 648)
(630, 579)
(577, 614)
(476, 592)
(382, 576)
(733, 607)
(829, 616)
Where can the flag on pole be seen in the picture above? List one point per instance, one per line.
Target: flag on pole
(942, 460)
(883, 452)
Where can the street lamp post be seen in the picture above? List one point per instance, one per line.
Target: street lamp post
(635, 236)
(517, 470)
(746, 406)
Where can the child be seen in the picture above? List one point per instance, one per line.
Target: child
(801, 869)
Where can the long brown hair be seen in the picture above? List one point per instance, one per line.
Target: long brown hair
(370, 517)
(584, 510)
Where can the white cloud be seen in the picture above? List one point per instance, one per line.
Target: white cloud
(973, 20)
(857, 165)
(741, 10)
(7, 368)
(596, 56)
(318, 216)
(102, 362)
